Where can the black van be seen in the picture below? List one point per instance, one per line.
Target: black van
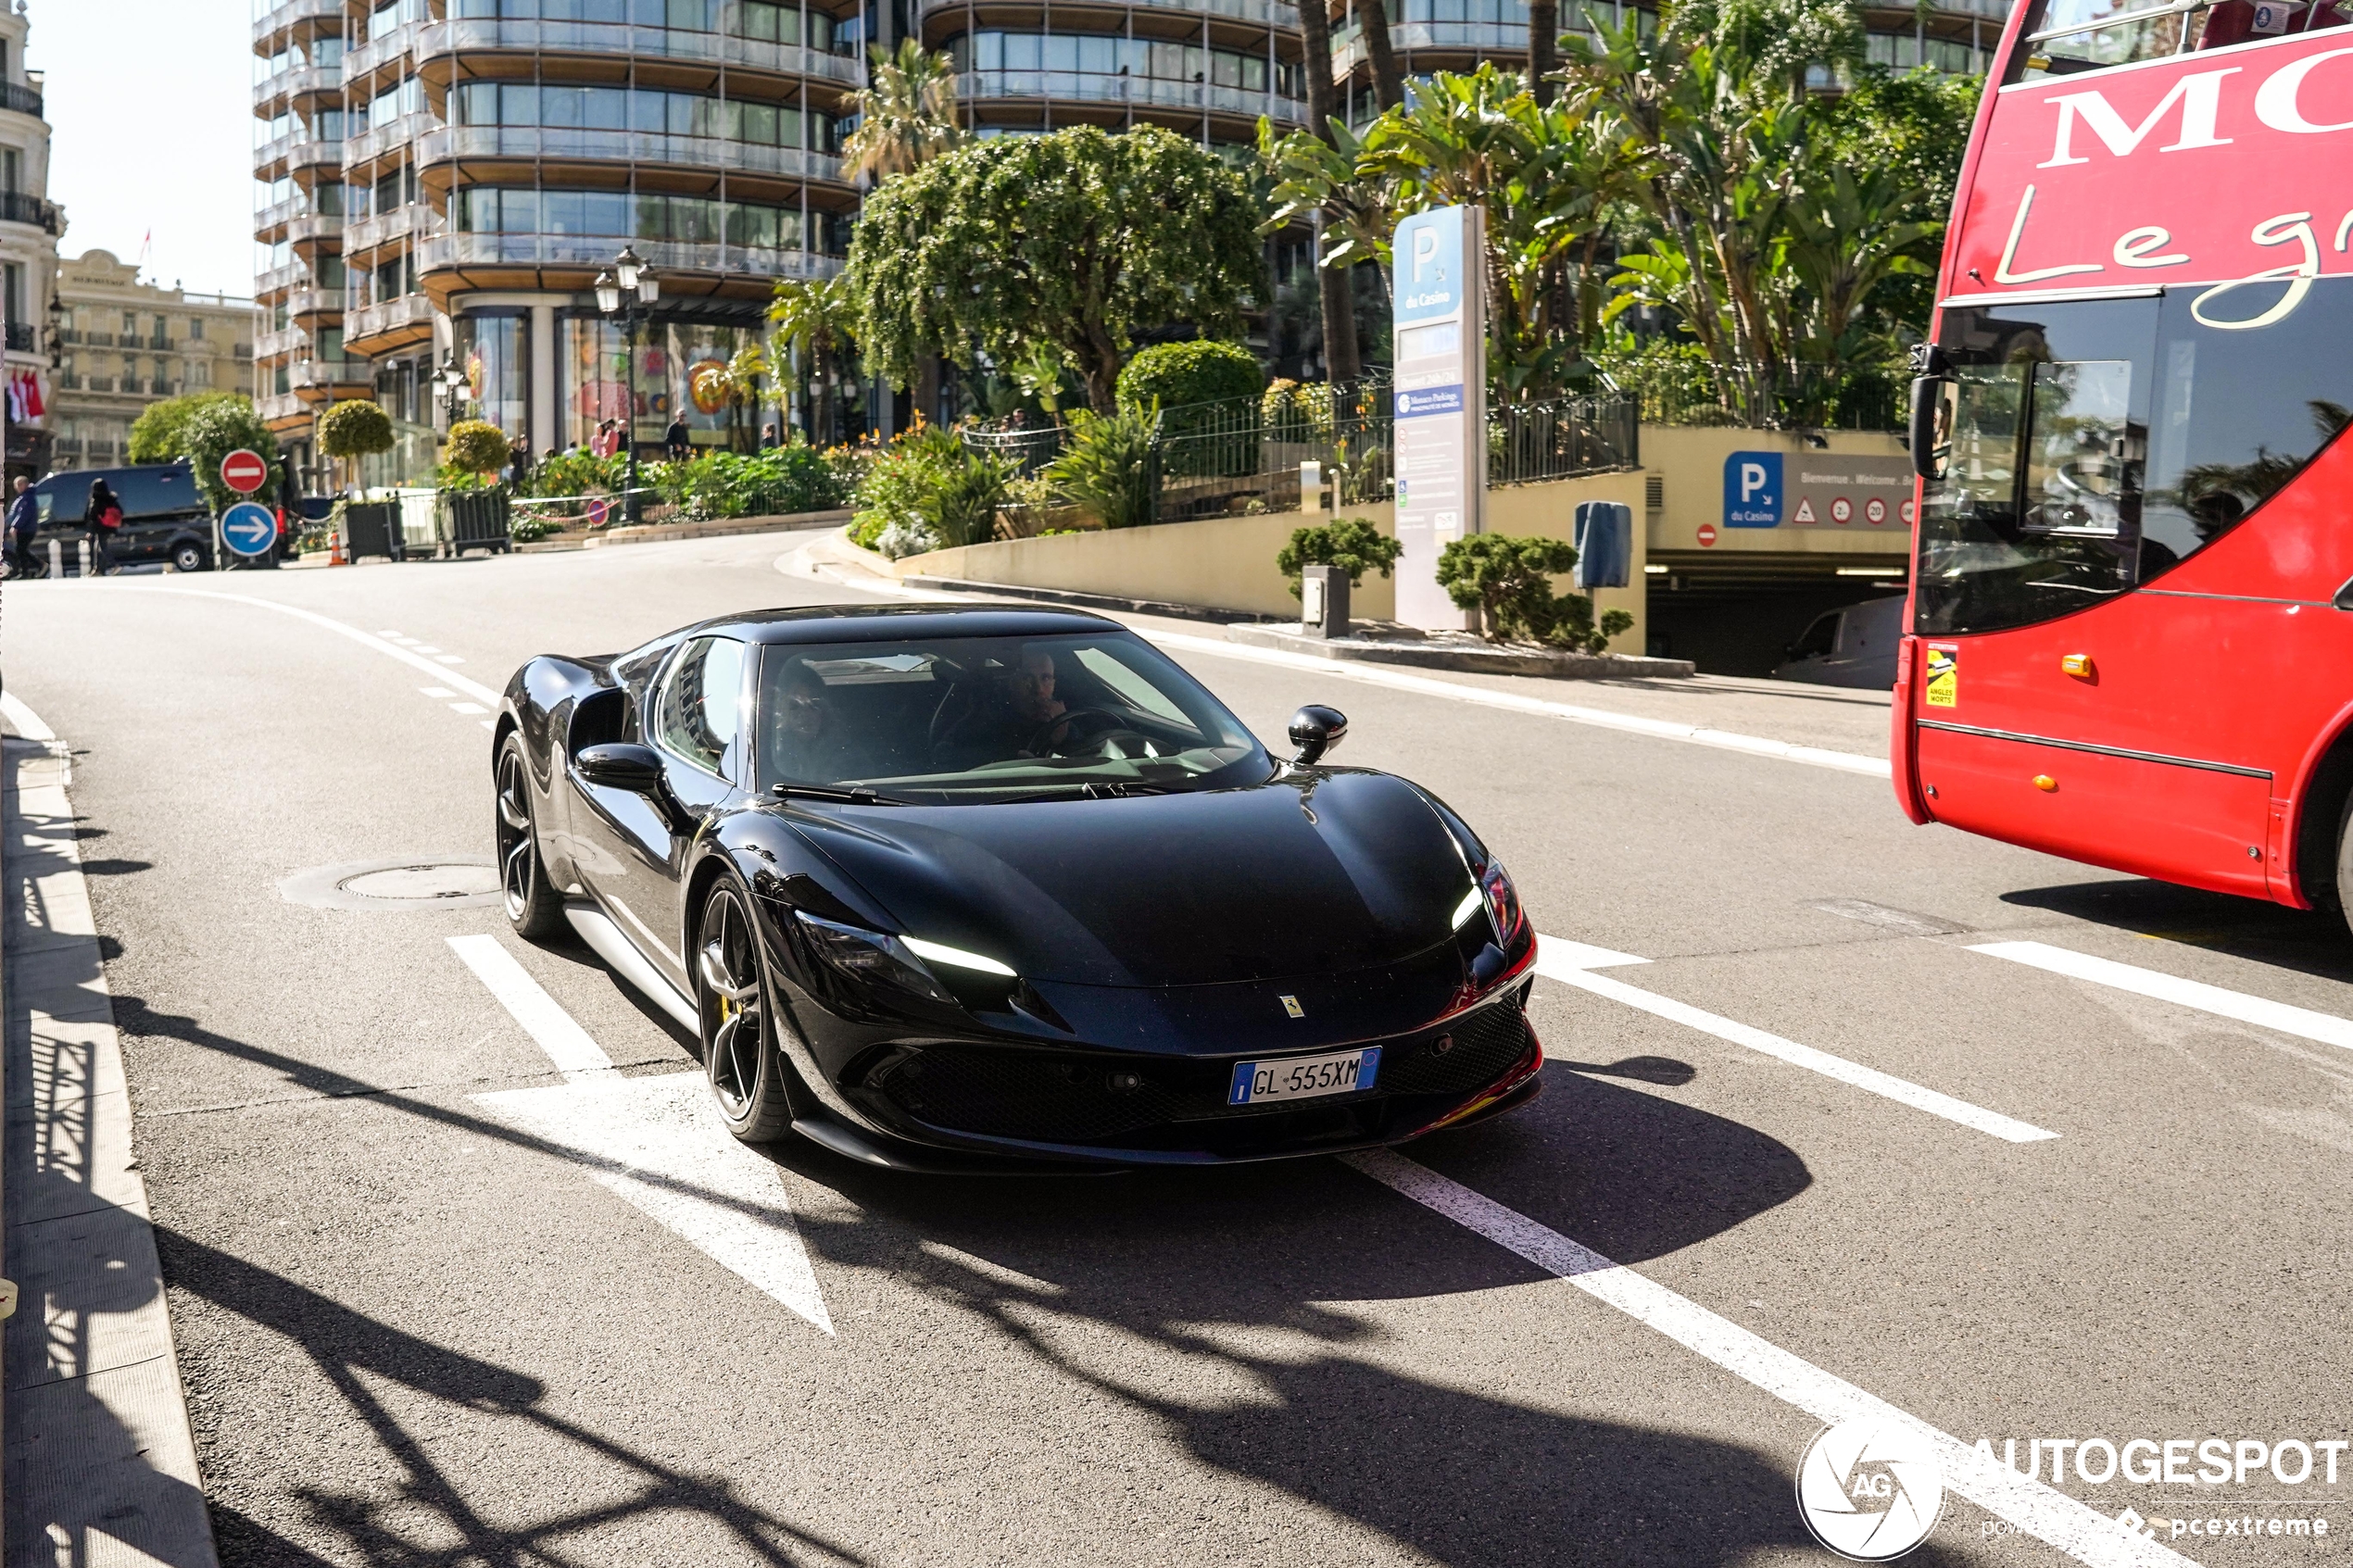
(164, 515)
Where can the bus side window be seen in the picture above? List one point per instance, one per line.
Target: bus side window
(2083, 455)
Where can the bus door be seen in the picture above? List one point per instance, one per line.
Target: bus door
(2089, 683)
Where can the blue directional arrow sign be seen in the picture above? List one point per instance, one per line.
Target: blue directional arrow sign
(249, 528)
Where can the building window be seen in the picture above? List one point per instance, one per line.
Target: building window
(12, 295)
(495, 353)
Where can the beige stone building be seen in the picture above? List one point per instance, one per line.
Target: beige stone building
(123, 345)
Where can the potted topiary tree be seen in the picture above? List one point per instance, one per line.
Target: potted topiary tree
(479, 515)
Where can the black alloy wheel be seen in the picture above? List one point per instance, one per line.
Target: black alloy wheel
(738, 1040)
(188, 556)
(531, 905)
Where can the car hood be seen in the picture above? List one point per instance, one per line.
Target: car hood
(1312, 872)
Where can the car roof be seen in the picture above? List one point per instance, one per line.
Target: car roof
(871, 623)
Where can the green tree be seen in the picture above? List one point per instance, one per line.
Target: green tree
(1175, 374)
(815, 322)
(1077, 241)
(354, 428)
(1336, 309)
(220, 427)
(907, 116)
(1349, 542)
(477, 447)
(1508, 582)
(158, 434)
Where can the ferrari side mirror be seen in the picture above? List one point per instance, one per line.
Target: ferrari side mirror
(1315, 729)
(621, 765)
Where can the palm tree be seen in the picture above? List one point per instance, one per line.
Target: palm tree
(1544, 48)
(1389, 82)
(1340, 362)
(906, 117)
(817, 320)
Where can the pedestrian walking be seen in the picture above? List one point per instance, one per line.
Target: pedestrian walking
(24, 521)
(104, 521)
(519, 463)
(768, 437)
(677, 440)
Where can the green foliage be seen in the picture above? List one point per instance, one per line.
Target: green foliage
(1349, 543)
(1075, 241)
(1176, 375)
(1294, 413)
(1109, 470)
(783, 480)
(907, 118)
(474, 445)
(529, 527)
(578, 473)
(159, 434)
(1508, 582)
(927, 481)
(211, 433)
(357, 427)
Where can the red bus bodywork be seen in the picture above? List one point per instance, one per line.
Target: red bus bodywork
(2194, 728)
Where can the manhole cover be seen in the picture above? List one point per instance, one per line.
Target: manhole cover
(419, 882)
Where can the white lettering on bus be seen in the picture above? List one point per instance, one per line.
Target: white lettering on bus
(2275, 103)
(2002, 273)
(2277, 230)
(2133, 245)
(2200, 96)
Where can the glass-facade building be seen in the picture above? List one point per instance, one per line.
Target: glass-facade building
(443, 180)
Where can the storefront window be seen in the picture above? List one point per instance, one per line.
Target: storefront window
(680, 367)
(495, 353)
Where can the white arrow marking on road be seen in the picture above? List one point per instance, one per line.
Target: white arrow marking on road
(655, 1142)
(1559, 960)
(2039, 1510)
(2325, 1028)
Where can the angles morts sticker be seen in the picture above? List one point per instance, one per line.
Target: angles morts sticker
(1944, 688)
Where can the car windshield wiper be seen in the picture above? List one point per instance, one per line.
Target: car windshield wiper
(1092, 789)
(846, 797)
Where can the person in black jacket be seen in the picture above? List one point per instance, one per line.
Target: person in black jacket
(24, 521)
(104, 521)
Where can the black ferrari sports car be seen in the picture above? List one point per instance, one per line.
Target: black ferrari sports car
(936, 887)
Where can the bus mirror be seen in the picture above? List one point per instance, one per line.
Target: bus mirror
(1929, 435)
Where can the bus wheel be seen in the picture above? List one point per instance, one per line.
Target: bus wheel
(2344, 862)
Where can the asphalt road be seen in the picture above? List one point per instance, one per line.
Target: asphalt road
(420, 1326)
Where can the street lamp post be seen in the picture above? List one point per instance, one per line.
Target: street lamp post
(452, 382)
(619, 291)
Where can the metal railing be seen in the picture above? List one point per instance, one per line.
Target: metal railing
(15, 206)
(1787, 396)
(362, 235)
(276, 20)
(1145, 92)
(283, 86)
(595, 251)
(363, 60)
(389, 316)
(370, 144)
(1260, 13)
(18, 98)
(619, 146)
(473, 34)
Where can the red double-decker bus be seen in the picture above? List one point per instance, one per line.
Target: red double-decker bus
(2132, 603)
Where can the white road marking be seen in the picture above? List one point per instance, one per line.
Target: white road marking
(2030, 1506)
(27, 723)
(388, 632)
(437, 690)
(566, 1043)
(488, 725)
(655, 1142)
(2303, 1022)
(1559, 960)
(424, 647)
(469, 709)
(391, 650)
(448, 658)
(658, 1143)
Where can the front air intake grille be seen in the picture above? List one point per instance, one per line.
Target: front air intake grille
(1070, 1097)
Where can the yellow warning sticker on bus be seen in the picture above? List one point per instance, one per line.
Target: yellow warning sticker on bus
(1944, 678)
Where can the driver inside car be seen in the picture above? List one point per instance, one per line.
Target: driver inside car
(1020, 717)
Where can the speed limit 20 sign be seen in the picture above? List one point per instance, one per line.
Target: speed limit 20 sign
(244, 471)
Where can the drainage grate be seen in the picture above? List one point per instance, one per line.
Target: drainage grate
(419, 882)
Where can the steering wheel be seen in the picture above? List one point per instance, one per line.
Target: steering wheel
(1043, 738)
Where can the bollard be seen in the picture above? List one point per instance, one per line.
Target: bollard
(82, 547)
(56, 560)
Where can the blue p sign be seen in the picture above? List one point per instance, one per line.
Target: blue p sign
(1752, 490)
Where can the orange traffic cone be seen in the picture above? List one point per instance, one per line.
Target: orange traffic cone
(336, 556)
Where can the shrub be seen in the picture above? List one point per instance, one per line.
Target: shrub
(474, 445)
(929, 485)
(1177, 375)
(1508, 582)
(1296, 413)
(214, 431)
(358, 428)
(1349, 542)
(577, 473)
(159, 434)
(779, 481)
(1108, 469)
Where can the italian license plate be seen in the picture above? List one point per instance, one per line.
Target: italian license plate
(1303, 1077)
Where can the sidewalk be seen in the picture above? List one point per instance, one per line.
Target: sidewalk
(101, 1467)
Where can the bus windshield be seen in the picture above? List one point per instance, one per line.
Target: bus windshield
(2077, 35)
(2087, 446)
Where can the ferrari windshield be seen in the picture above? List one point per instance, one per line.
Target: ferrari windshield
(982, 718)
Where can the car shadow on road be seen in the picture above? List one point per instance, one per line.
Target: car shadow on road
(2308, 941)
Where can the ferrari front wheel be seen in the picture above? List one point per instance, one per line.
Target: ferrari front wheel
(531, 905)
(738, 1034)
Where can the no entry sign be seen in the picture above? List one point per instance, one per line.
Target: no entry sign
(244, 471)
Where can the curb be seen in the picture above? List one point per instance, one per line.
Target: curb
(652, 533)
(1468, 657)
(1089, 601)
(101, 1460)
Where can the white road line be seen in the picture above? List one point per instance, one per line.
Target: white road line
(2303, 1022)
(1558, 960)
(655, 1142)
(379, 644)
(2030, 1506)
(422, 647)
(437, 691)
(658, 1144)
(390, 632)
(447, 659)
(28, 723)
(469, 709)
(1397, 680)
(566, 1043)
(488, 725)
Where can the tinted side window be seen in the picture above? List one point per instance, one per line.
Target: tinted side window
(62, 500)
(700, 716)
(147, 492)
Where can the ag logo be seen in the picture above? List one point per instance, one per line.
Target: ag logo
(1870, 1490)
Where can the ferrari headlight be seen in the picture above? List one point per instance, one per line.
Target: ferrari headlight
(872, 957)
(955, 958)
(1503, 904)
